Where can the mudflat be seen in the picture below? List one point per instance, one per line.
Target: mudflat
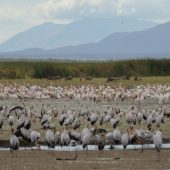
(102, 160)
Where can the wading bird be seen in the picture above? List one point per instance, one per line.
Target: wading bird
(157, 140)
(14, 143)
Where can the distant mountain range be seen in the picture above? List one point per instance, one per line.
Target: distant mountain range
(88, 30)
(152, 42)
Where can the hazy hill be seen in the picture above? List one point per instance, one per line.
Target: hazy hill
(50, 35)
(153, 42)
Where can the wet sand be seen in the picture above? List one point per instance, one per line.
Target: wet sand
(102, 160)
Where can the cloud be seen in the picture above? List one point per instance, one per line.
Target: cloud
(43, 10)
(106, 8)
(63, 11)
(80, 8)
(18, 15)
(83, 8)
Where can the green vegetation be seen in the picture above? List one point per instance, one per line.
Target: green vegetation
(46, 69)
(95, 81)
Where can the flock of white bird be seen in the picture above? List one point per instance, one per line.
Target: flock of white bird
(81, 125)
(140, 93)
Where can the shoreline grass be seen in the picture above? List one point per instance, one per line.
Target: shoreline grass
(94, 81)
(22, 69)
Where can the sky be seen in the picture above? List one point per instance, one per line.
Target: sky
(19, 15)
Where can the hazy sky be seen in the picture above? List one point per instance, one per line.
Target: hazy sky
(18, 15)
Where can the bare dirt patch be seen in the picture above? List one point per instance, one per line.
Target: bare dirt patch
(106, 160)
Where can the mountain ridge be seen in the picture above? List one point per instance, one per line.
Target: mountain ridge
(50, 35)
(152, 42)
